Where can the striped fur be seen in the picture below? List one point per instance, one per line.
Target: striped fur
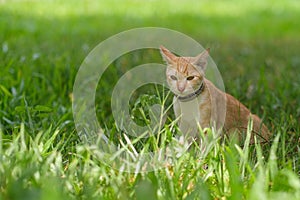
(212, 107)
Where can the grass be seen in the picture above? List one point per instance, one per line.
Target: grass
(254, 44)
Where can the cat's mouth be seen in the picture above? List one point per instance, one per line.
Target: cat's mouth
(182, 93)
(186, 91)
(192, 95)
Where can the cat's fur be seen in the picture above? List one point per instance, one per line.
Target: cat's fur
(205, 105)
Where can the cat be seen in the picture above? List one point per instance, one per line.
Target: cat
(198, 102)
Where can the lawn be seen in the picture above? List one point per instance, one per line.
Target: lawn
(255, 45)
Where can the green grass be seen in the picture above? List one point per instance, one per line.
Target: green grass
(255, 45)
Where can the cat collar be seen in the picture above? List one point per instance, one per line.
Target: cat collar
(191, 96)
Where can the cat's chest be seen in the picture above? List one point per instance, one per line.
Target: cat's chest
(187, 111)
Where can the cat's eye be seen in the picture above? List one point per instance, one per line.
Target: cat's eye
(189, 78)
(173, 77)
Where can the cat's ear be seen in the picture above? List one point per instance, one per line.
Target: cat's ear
(201, 60)
(169, 57)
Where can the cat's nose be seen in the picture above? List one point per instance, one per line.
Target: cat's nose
(181, 89)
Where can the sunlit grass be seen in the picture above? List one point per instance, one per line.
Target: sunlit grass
(149, 7)
(240, 18)
(37, 168)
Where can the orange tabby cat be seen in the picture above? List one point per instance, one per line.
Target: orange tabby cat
(198, 102)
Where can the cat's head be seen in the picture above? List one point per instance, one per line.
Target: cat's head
(184, 74)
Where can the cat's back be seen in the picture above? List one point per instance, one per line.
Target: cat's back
(238, 117)
(234, 115)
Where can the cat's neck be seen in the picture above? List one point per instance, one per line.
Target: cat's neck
(193, 95)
